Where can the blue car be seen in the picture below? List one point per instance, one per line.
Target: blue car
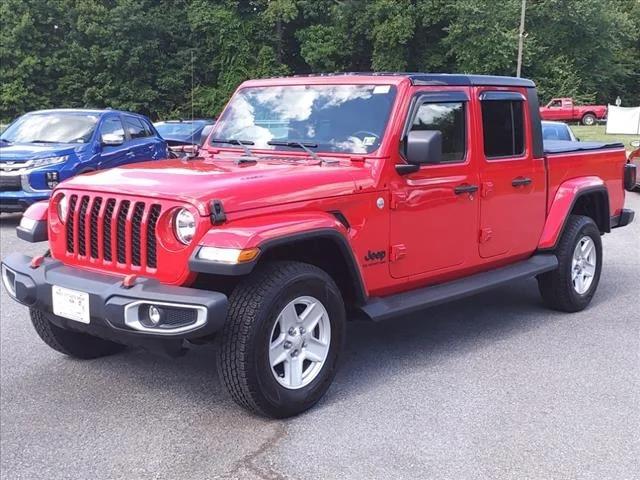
(181, 132)
(40, 149)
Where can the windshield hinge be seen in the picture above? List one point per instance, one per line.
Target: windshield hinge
(217, 212)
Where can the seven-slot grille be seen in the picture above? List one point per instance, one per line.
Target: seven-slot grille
(110, 230)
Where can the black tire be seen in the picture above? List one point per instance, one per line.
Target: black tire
(254, 307)
(75, 344)
(556, 287)
(588, 119)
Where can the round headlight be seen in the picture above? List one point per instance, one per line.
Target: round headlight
(185, 226)
(63, 208)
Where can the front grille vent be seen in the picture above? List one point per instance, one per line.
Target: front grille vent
(107, 229)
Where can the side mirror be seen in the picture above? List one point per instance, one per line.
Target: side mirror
(635, 143)
(112, 140)
(424, 147)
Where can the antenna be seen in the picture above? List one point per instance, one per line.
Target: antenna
(192, 88)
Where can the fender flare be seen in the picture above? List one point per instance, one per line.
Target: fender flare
(33, 226)
(565, 199)
(273, 231)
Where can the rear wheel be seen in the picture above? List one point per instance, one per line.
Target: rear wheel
(572, 285)
(588, 119)
(284, 333)
(75, 344)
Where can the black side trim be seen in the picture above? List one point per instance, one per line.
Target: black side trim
(536, 125)
(38, 234)
(203, 266)
(468, 80)
(625, 218)
(444, 96)
(408, 302)
(491, 96)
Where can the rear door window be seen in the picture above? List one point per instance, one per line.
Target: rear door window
(503, 128)
(135, 127)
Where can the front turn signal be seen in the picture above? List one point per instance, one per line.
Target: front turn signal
(230, 256)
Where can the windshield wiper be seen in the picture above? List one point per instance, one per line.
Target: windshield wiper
(42, 141)
(304, 146)
(248, 154)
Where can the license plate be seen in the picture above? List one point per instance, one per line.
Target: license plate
(70, 304)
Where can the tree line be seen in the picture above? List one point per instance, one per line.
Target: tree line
(145, 55)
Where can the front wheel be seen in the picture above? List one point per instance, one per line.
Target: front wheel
(71, 343)
(284, 333)
(572, 285)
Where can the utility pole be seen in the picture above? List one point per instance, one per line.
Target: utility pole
(521, 38)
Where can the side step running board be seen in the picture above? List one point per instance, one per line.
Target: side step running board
(382, 308)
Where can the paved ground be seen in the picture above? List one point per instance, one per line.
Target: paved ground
(491, 387)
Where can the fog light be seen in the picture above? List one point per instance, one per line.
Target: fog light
(150, 316)
(154, 315)
(52, 179)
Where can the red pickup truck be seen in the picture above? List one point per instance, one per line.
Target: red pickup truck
(564, 109)
(317, 200)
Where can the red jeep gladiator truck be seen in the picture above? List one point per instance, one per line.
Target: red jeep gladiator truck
(564, 109)
(315, 200)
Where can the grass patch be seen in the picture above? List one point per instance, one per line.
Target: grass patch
(596, 133)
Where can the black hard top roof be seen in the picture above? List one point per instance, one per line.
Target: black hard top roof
(456, 79)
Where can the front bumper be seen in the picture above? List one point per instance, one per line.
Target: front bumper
(112, 306)
(19, 201)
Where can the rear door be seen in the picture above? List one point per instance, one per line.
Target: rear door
(512, 195)
(434, 211)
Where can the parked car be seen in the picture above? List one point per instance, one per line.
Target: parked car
(557, 131)
(40, 149)
(634, 158)
(319, 199)
(564, 109)
(180, 132)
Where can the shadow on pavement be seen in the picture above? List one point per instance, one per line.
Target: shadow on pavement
(10, 219)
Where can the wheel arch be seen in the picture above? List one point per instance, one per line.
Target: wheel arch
(588, 197)
(327, 249)
(317, 238)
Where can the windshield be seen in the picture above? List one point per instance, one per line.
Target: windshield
(51, 128)
(552, 131)
(331, 118)
(168, 129)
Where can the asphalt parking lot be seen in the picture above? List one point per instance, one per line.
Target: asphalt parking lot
(495, 386)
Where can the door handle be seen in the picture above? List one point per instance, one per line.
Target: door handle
(465, 188)
(521, 181)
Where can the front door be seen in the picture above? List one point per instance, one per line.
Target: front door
(434, 211)
(113, 155)
(512, 196)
